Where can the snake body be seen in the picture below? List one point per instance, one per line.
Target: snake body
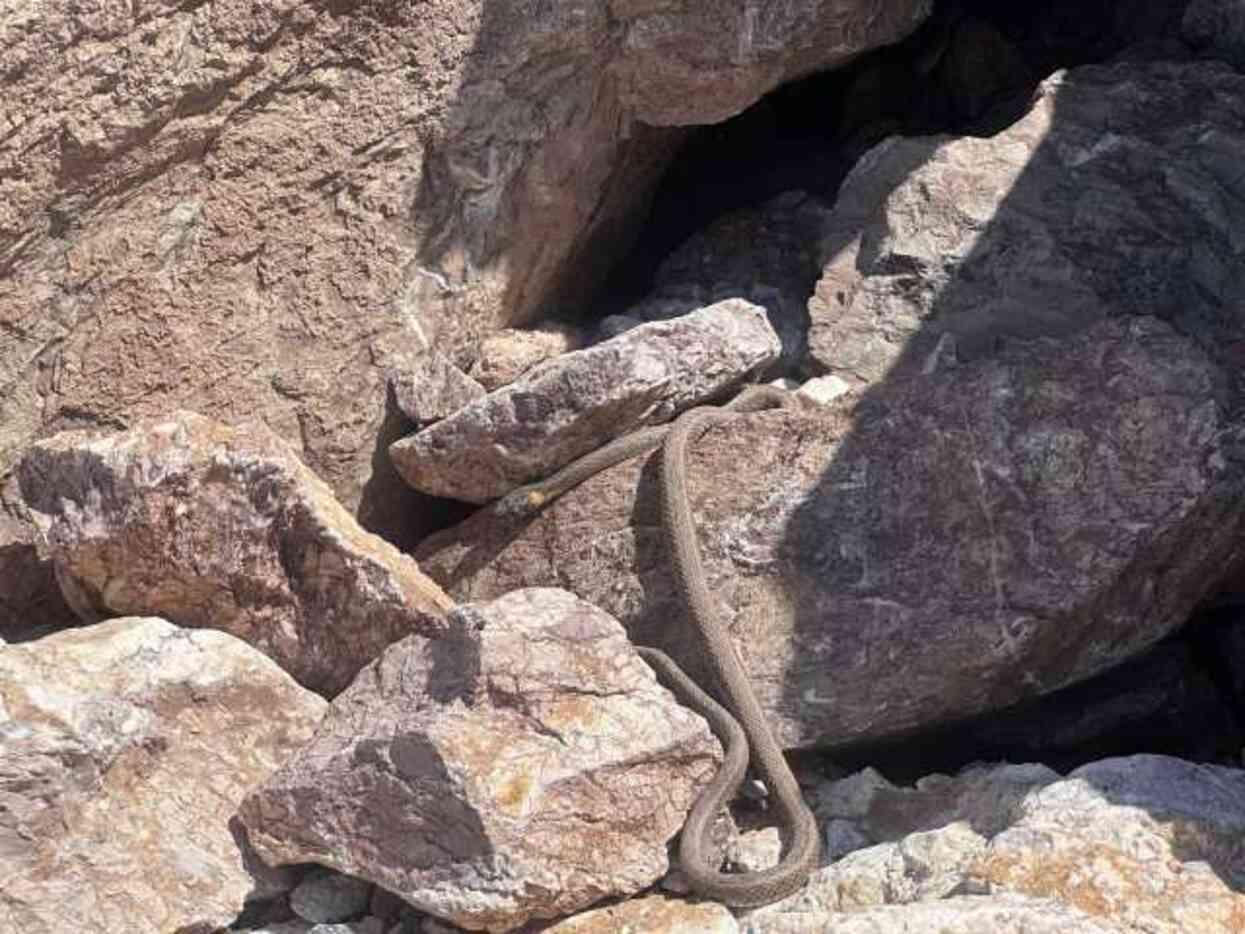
(743, 729)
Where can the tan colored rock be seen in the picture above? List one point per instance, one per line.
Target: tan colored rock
(505, 356)
(1078, 498)
(225, 528)
(125, 748)
(579, 401)
(654, 914)
(524, 765)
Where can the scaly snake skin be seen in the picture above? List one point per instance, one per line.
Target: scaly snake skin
(741, 729)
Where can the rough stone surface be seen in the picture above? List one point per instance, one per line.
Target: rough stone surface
(1077, 497)
(125, 748)
(505, 356)
(431, 388)
(576, 403)
(940, 247)
(325, 896)
(524, 765)
(1216, 28)
(1143, 843)
(240, 207)
(654, 914)
(220, 527)
(30, 599)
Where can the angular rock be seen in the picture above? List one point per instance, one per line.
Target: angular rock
(953, 545)
(125, 748)
(1141, 843)
(327, 897)
(940, 244)
(505, 356)
(653, 914)
(230, 205)
(211, 526)
(576, 403)
(430, 388)
(30, 599)
(524, 765)
(1216, 28)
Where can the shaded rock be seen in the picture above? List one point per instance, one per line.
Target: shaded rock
(505, 356)
(1078, 499)
(974, 240)
(430, 388)
(225, 528)
(654, 914)
(325, 896)
(230, 206)
(125, 748)
(524, 765)
(576, 403)
(31, 604)
(1216, 28)
(1143, 843)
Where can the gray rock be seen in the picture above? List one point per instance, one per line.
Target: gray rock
(427, 387)
(125, 749)
(224, 528)
(325, 896)
(1078, 498)
(1216, 28)
(577, 402)
(524, 765)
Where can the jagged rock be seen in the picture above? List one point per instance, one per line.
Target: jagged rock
(973, 240)
(1216, 28)
(220, 527)
(1077, 498)
(1142, 843)
(505, 356)
(524, 765)
(581, 400)
(125, 748)
(429, 388)
(654, 914)
(233, 205)
(325, 896)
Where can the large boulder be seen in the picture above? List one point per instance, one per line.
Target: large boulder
(953, 545)
(524, 765)
(211, 526)
(125, 749)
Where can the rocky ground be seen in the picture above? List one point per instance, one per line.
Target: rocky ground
(276, 653)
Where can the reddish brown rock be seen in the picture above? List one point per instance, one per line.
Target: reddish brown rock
(220, 527)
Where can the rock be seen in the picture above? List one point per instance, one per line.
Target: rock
(1217, 29)
(1138, 843)
(524, 765)
(431, 388)
(31, 604)
(824, 389)
(976, 240)
(653, 914)
(614, 325)
(325, 896)
(1077, 497)
(233, 206)
(224, 528)
(574, 404)
(505, 356)
(125, 748)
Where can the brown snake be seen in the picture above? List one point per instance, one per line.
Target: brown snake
(743, 727)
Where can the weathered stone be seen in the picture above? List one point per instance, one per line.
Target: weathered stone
(524, 765)
(576, 403)
(325, 896)
(429, 388)
(1144, 843)
(967, 241)
(1216, 28)
(1077, 498)
(230, 205)
(654, 914)
(824, 389)
(505, 356)
(125, 748)
(225, 528)
(30, 599)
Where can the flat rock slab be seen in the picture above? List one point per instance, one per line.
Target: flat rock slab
(125, 749)
(219, 527)
(950, 547)
(578, 401)
(524, 765)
